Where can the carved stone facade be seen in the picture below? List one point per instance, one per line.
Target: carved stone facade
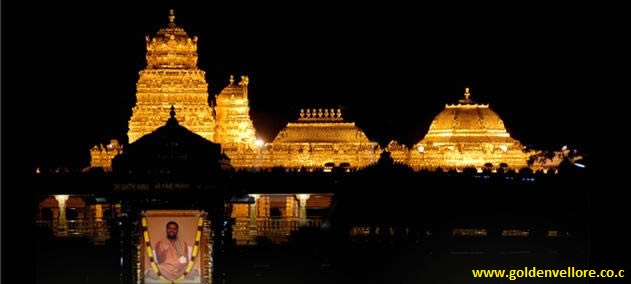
(234, 128)
(319, 139)
(102, 156)
(171, 78)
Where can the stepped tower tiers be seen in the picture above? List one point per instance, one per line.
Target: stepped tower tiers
(171, 78)
(234, 128)
(467, 134)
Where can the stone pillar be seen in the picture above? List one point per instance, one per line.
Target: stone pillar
(62, 225)
(253, 214)
(302, 215)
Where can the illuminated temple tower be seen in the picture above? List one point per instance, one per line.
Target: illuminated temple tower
(467, 134)
(321, 136)
(234, 129)
(171, 78)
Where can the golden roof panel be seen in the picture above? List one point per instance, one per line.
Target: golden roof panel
(321, 126)
(467, 122)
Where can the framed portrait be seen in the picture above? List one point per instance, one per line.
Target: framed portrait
(175, 247)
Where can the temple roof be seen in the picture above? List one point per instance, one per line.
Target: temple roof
(171, 29)
(467, 121)
(233, 90)
(171, 47)
(318, 126)
(171, 148)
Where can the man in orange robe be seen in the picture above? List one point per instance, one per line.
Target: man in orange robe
(172, 253)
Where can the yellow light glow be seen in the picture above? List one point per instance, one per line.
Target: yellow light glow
(259, 143)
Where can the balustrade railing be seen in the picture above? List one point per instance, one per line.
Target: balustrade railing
(277, 229)
(95, 229)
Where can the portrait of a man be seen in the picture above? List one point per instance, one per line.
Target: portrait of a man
(168, 255)
(172, 253)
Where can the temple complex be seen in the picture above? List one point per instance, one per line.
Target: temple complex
(171, 78)
(465, 134)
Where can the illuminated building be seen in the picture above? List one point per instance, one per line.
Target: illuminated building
(171, 78)
(102, 156)
(319, 139)
(275, 216)
(321, 136)
(234, 128)
(467, 134)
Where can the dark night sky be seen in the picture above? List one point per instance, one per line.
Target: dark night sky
(392, 67)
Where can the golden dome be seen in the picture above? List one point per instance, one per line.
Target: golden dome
(321, 126)
(171, 47)
(467, 134)
(465, 122)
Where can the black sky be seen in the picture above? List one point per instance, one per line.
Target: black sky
(544, 68)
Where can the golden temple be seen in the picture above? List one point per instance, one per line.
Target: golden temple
(234, 128)
(319, 139)
(101, 157)
(465, 134)
(171, 78)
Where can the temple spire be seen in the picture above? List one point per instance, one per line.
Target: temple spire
(172, 121)
(171, 16)
(467, 95)
(231, 80)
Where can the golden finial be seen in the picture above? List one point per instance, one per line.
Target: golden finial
(172, 112)
(466, 93)
(171, 16)
(231, 79)
(244, 81)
